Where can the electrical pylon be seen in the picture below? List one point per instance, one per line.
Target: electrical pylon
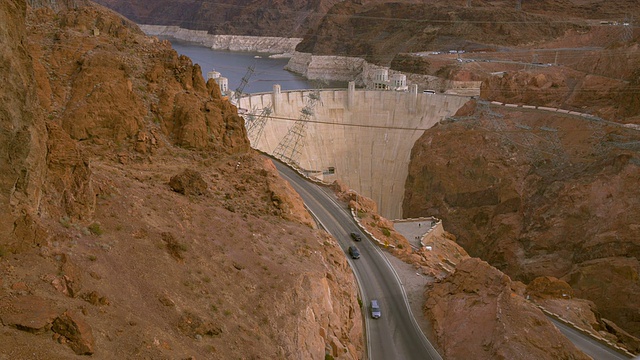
(255, 124)
(290, 147)
(627, 28)
(237, 94)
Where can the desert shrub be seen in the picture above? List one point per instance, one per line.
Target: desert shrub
(174, 247)
(95, 229)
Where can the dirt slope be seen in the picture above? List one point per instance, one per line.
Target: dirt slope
(110, 246)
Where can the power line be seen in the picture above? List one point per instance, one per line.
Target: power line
(402, 128)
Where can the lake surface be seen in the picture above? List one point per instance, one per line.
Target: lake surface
(234, 65)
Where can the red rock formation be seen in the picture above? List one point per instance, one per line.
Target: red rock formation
(479, 313)
(96, 119)
(537, 194)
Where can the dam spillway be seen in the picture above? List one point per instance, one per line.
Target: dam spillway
(361, 137)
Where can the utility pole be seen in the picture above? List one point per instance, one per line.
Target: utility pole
(468, 3)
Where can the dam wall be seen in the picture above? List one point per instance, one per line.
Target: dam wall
(363, 138)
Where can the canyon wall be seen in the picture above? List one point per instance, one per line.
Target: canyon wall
(265, 44)
(108, 246)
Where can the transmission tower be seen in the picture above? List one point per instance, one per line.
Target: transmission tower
(255, 124)
(627, 28)
(290, 147)
(518, 5)
(468, 3)
(237, 94)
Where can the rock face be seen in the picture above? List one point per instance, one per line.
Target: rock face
(77, 332)
(479, 313)
(267, 44)
(370, 29)
(96, 119)
(538, 194)
(23, 136)
(604, 95)
(238, 17)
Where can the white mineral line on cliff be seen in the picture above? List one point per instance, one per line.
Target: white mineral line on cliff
(266, 44)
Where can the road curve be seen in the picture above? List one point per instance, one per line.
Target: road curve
(396, 334)
(587, 344)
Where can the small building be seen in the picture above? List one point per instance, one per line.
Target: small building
(381, 81)
(222, 81)
(399, 82)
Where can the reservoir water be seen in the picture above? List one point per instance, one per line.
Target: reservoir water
(234, 65)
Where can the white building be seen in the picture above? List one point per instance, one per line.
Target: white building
(222, 81)
(381, 80)
(399, 82)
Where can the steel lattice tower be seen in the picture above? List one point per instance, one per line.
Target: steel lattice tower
(237, 94)
(255, 124)
(627, 29)
(290, 147)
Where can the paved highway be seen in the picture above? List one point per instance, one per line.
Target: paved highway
(588, 345)
(395, 335)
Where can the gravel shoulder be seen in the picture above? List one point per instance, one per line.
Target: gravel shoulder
(414, 286)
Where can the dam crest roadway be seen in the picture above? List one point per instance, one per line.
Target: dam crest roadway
(361, 137)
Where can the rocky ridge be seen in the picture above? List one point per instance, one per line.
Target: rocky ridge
(265, 44)
(287, 19)
(478, 310)
(537, 194)
(109, 247)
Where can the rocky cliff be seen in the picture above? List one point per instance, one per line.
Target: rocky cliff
(479, 313)
(136, 220)
(537, 194)
(280, 18)
(264, 44)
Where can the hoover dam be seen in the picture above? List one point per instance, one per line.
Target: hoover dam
(361, 137)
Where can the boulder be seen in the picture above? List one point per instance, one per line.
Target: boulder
(77, 331)
(29, 313)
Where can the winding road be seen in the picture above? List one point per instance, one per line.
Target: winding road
(395, 335)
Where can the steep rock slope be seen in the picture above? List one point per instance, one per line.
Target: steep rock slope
(538, 194)
(137, 222)
(479, 313)
(377, 31)
(282, 18)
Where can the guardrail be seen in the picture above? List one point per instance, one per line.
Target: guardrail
(585, 332)
(562, 111)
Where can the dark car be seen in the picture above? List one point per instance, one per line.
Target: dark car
(355, 236)
(353, 251)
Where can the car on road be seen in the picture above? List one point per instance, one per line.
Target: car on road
(353, 251)
(375, 309)
(355, 236)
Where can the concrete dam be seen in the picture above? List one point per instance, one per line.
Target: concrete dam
(361, 137)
